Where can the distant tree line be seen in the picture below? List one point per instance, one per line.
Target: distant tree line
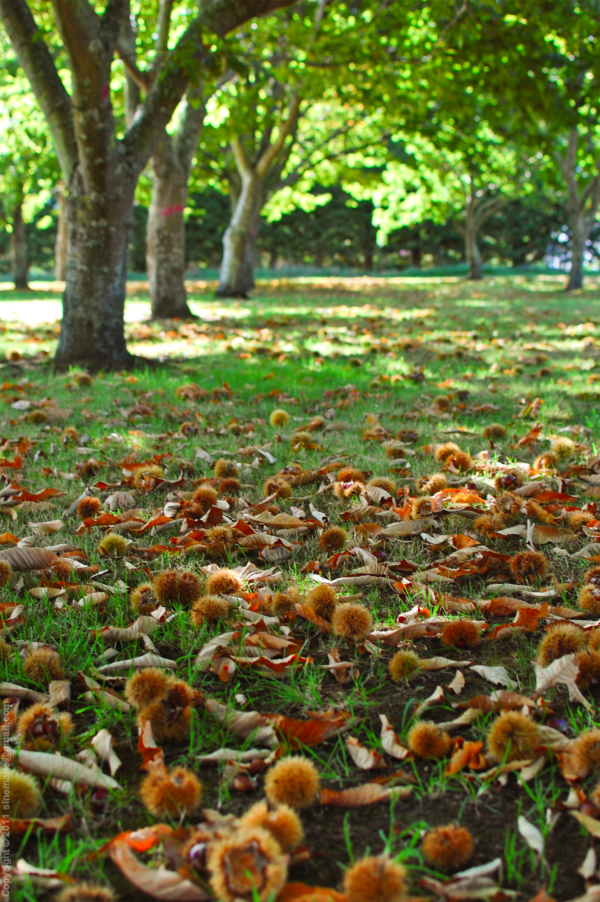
(338, 234)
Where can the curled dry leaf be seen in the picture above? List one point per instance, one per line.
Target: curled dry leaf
(436, 696)
(243, 723)
(531, 834)
(23, 559)
(63, 768)
(561, 671)
(497, 675)
(20, 827)
(102, 744)
(458, 683)
(390, 742)
(359, 796)
(366, 759)
(157, 882)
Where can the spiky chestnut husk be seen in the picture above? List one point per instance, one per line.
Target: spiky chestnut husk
(112, 545)
(292, 781)
(224, 469)
(345, 490)
(431, 485)
(143, 474)
(585, 752)
(206, 497)
(279, 418)
(592, 576)
(509, 480)
(88, 507)
(513, 737)
(528, 566)
(61, 569)
(494, 432)
(382, 482)
(176, 792)
(282, 823)
(460, 460)
(404, 665)
(5, 573)
(589, 668)
(218, 540)
(333, 539)
(147, 687)
(352, 622)
(85, 892)
(563, 448)
(209, 609)
(576, 520)
(448, 848)
(230, 486)
(43, 665)
(223, 582)
(283, 602)
(83, 380)
(546, 461)
(87, 469)
(594, 640)
(37, 417)
(350, 474)
(42, 729)
(24, 796)
(181, 586)
(460, 634)
(323, 600)
(70, 435)
(561, 639)
(375, 880)
(144, 599)
(277, 485)
(247, 866)
(488, 524)
(442, 402)
(443, 452)
(589, 599)
(421, 507)
(171, 717)
(427, 740)
(508, 505)
(189, 428)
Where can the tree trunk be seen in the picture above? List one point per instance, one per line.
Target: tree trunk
(234, 275)
(165, 236)
(18, 249)
(60, 248)
(251, 244)
(92, 332)
(472, 247)
(578, 239)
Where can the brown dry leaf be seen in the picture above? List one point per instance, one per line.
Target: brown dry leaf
(590, 823)
(390, 742)
(469, 754)
(310, 732)
(63, 768)
(366, 759)
(359, 796)
(436, 696)
(157, 882)
(148, 660)
(563, 670)
(22, 558)
(439, 663)
(12, 690)
(497, 675)
(102, 743)
(408, 527)
(458, 683)
(46, 528)
(243, 723)
(60, 824)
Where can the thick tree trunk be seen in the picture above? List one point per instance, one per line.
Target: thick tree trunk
(18, 249)
(92, 332)
(60, 247)
(578, 239)
(250, 253)
(234, 278)
(165, 236)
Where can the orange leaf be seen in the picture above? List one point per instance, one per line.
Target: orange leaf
(300, 892)
(308, 732)
(469, 754)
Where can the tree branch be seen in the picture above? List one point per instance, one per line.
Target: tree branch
(223, 16)
(243, 166)
(284, 130)
(37, 63)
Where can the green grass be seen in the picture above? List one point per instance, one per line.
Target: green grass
(354, 351)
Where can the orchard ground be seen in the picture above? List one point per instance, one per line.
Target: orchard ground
(360, 352)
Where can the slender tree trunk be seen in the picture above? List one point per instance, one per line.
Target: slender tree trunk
(250, 253)
(18, 249)
(233, 281)
(92, 332)
(578, 239)
(60, 247)
(471, 245)
(165, 235)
